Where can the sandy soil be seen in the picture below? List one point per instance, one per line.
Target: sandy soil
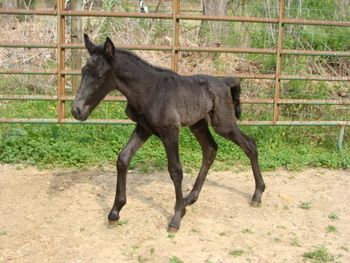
(61, 216)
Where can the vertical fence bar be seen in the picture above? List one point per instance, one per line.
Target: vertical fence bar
(60, 60)
(176, 33)
(278, 62)
(341, 139)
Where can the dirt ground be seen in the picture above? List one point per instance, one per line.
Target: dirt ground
(61, 216)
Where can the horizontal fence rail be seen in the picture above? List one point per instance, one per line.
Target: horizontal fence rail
(175, 48)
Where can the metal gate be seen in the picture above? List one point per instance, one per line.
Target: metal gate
(175, 17)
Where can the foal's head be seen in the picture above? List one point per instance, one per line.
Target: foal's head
(97, 78)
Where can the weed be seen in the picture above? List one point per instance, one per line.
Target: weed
(319, 254)
(277, 240)
(331, 229)
(295, 242)
(333, 216)
(175, 259)
(281, 227)
(237, 252)
(222, 234)
(122, 222)
(152, 251)
(194, 230)
(305, 205)
(141, 259)
(135, 247)
(3, 233)
(247, 231)
(171, 235)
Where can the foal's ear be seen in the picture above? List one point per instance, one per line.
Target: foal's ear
(91, 47)
(109, 49)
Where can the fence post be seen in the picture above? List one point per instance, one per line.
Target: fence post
(341, 139)
(76, 33)
(278, 63)
(176, 30)
(60, 60)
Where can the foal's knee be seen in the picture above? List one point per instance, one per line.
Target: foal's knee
(122, 161)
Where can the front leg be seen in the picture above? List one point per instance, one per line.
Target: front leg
(170, 139)
(137, 139)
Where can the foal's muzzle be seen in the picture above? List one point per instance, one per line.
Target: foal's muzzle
(80, 112)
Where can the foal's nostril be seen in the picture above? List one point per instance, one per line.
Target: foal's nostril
(76, 111)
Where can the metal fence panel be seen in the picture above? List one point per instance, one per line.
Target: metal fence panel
(175, 17)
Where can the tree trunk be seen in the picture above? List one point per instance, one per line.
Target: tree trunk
(211, 31)
(76, 37)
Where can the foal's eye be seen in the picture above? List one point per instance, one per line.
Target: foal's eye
(84, 70)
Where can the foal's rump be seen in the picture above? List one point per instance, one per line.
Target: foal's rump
(201, 95)
(224, 91)
(225, 95)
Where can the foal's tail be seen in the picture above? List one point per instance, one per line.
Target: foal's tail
(235, 88)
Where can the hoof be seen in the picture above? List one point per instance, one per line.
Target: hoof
(255, 204)
(172, 229)
(113, 216)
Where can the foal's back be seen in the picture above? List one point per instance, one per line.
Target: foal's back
(180, 101)
(184, 100)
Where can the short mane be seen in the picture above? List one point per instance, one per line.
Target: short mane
(143, 62)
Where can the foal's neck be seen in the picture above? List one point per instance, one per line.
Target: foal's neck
(136, 79)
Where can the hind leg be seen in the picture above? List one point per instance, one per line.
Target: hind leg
(209, 149)
(249, 147)
(225, 125)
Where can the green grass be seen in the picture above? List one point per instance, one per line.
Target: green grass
(319, 254)
(119, 223)
(171, 235)
(222, 234)
(331, 229)
(175, 259)
(295, 242)
(305, 205)
(237, 252)
(333, 216)
(84, 145)
(247, 231)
